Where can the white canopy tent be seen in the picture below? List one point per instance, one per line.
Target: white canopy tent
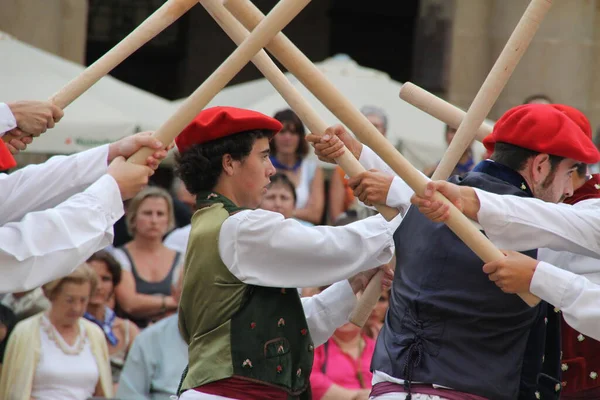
(417, 135)
(110, 110)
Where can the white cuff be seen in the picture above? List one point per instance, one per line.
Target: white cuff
(491, 212)
(7, 119)
(342, 295)
(550, 283)
(106, 192)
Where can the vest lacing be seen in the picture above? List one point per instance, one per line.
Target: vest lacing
(415, 353)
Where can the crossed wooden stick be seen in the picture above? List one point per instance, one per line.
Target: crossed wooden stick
(238, 17)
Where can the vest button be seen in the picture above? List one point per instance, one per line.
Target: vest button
(311, 347)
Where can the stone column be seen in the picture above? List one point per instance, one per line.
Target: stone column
(594, 99)
(559, 60)
(471, 53)
(56, 26)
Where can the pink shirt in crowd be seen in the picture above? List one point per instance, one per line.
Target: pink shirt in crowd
(340, 368)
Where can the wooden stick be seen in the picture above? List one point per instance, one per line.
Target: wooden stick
(168, 13)
(438, 108)
(236, 31)
(278, 18)
(493, 85)
(162, 18)
(314, 80)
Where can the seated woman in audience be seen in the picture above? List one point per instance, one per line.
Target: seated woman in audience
(288, 155)
(280, 196)
(119, 332)
(341, 196)
(144, 293)
(58, 354)
(341, 368)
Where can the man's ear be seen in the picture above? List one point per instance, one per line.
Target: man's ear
(540, 168)
(227, 163)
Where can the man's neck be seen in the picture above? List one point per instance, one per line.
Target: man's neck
(227, 190)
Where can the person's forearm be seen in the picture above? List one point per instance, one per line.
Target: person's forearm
(470, 201)
(143, 305)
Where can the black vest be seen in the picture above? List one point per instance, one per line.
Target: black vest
(450, 325)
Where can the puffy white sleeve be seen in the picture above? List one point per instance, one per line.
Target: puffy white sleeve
(518, 223)
(262, 248)
(328, 310)
(7, 119)
(576, 297)
(49, 244)
(37, 187)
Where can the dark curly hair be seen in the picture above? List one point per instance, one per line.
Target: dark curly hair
(201, 165)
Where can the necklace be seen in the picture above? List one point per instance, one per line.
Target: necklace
(57, 338)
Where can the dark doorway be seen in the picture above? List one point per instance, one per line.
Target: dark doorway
(154, 67)
(376, 34)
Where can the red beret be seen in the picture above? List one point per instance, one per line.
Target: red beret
(218, 122)
(6, 159)
(545, 128)
(576, 116)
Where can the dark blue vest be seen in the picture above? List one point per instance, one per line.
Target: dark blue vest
(447, 323)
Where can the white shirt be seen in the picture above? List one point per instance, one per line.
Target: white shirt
(566, 280)
(178, 239)
(7, 119)
(399, 193)
(38, 246)
(519, 223)
(576, 296)
(59, 376)
(262, 248)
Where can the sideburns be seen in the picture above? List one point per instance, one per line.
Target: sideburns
(547, 182)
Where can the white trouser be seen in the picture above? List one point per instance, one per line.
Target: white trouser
(194, 395)
(402, 396)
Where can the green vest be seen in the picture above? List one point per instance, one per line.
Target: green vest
(234, 329)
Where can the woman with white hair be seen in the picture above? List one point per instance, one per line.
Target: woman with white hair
(58, 354)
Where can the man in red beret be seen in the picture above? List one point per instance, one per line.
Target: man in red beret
(250, 336)
(450, 332)
(576, 299)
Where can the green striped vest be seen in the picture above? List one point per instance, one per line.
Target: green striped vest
(234, 329)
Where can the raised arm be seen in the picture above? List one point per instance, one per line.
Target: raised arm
(37, 187)
(519, 223)
(295, 255)
(574, 295)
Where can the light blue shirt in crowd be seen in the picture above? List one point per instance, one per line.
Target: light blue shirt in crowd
(155, 363)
